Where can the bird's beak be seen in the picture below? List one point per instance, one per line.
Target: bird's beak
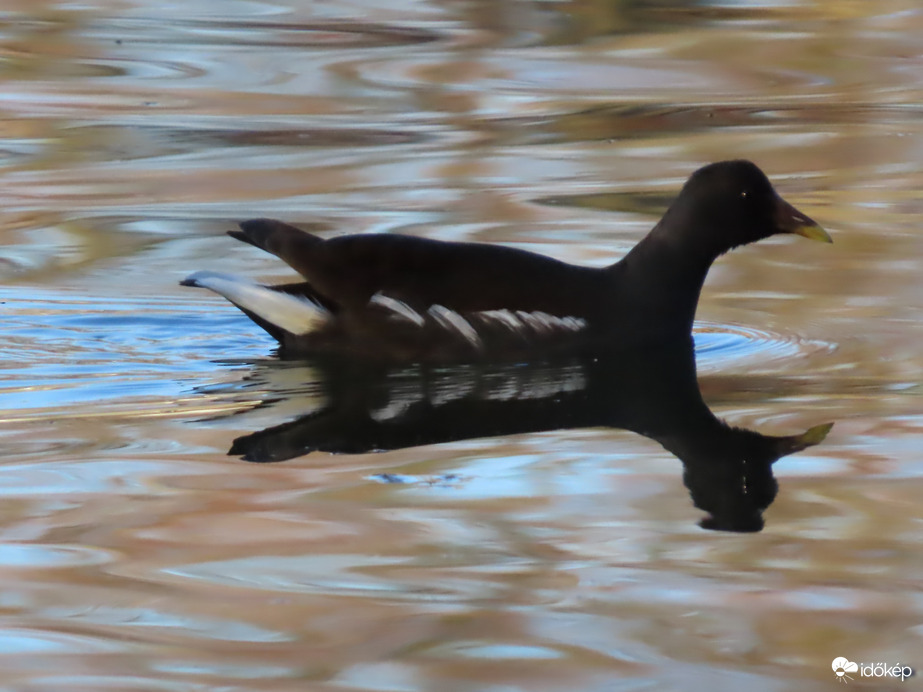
(790, 220)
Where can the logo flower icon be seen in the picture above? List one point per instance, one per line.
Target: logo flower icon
(841, 666)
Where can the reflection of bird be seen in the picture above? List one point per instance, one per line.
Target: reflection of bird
(358, 407)
(394, 297)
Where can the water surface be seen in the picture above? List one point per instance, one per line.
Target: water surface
(137, 555)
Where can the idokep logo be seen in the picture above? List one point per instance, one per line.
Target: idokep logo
(843, 666)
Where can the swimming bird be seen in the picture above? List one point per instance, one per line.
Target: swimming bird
(403, 298)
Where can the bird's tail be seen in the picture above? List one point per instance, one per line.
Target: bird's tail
(292, 245)
(277, 312)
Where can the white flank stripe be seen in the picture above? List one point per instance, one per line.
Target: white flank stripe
(452, 320)
(504, 317)
(573, 323)
(537, 322)
(294, 314)
(399, 308)
(543, 322)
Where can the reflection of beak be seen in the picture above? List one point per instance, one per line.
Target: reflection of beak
(790, 220)
(790, 444)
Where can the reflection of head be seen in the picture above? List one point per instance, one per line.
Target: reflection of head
(734, 493)
(730, 475)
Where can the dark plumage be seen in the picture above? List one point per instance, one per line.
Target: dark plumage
(406, 298)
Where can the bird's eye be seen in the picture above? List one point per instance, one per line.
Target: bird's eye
(743, 194)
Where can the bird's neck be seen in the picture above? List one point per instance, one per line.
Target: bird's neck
(659, 281)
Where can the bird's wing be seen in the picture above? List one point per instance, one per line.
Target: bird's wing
(463, 277)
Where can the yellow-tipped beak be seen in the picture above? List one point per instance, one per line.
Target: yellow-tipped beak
(790, 220)
(814, 232)
(815, 435)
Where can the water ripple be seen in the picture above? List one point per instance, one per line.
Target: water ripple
(44, 556)
(719, 346)
(247, 32)
(18, 640)
(338, 574)
(195, 626)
